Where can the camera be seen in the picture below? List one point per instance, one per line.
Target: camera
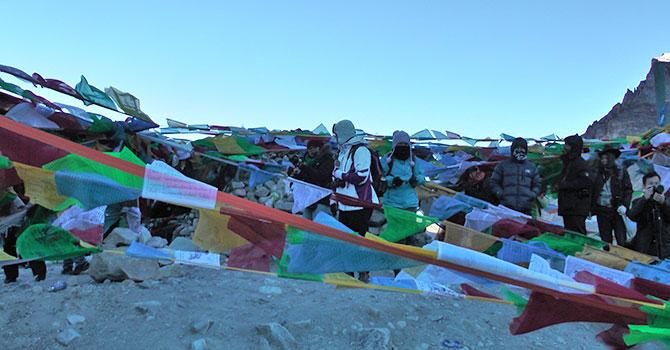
(659, 189)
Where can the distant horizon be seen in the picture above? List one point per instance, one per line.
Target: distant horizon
(477, 69)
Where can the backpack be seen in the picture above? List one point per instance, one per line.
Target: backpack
(378, 182)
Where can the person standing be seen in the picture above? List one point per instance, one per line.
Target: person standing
(401, 174)
(316, 168)
(516, 181)
(575, 186)
(12, 204)
(353, 178)
(651, 212)
(611, 196)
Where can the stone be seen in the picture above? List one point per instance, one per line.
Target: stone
(157, 242)
(236, 185)
(277, 336)
(264, 344)
(67, 336)
(401, 324)
(200, 344)
(75, 319)
(120, 236)
(38, 290)
(115, 267)
(374, 339)
(171, 271)
(201, 327)
(240, 192)
(145, 307)
(413, 318)
(262, 191)
(270, 290)
(183, 243)
(284, 205)
(144, 236)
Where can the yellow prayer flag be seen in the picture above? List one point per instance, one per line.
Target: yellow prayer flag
(227, 145)
(40, 186)
(213, 234)
(5, 257)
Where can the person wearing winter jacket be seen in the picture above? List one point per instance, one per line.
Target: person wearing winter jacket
(401, 174)
(516, 181)
(352, 177)
(316, 168)
(575, 186)
(612, 193)
(651, 212)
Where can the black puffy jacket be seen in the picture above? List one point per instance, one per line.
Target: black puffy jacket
(516, 184)
(575, 186)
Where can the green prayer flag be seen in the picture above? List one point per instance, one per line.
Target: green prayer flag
(518, 301)
(15, 89)
(404, 223)
(101, 124)
(50, 243)
(93, 95)
(5, 163)
(78, 164)
(568, 244)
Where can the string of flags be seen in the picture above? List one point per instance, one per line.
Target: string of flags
(564, 271)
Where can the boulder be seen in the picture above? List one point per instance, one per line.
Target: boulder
(120, 236)
(115, 267)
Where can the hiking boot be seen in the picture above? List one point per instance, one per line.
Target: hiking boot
(80, 268)
(10, 280)
(39, 278)
(67, 270)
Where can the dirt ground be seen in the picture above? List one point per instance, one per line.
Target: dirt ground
(225, 308)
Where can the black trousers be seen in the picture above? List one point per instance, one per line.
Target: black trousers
(38, 267)
(356, 220)
(576, 223)
(610, 221)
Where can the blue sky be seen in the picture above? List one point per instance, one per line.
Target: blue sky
(479, 68)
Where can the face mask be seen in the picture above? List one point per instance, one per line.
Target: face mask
(519, 154)
(401, 153)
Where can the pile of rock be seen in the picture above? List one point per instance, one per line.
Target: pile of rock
(177, 226)
(275, 193)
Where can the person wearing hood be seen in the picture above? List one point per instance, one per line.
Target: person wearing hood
(353, 178)
(574, 187)
(612, 193)
(401, 175)
(516, 181)
(316, 168)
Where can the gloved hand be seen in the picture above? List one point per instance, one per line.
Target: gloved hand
(413, 182)
(396, 182)
(621, 210)
(333, 209)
